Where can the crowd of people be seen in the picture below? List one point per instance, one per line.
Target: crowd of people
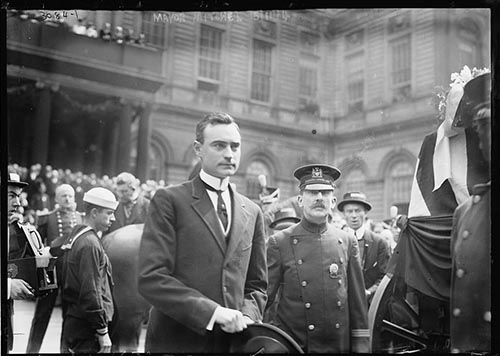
(210, 265)
(82, 26)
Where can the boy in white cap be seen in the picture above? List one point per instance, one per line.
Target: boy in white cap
(87, 299)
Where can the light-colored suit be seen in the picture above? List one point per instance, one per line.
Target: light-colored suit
(186, 268)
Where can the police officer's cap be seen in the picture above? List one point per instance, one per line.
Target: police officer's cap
(15, 180)
(101, 197)
(261, 338)
(476, 92)
(317, 177)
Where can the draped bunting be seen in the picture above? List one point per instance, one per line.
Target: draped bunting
(422, 256)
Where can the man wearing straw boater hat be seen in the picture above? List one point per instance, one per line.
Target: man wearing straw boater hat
(470, 297)
(374, 249)
(323, 305)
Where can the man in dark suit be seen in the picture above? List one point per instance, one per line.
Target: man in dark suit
(23, 241)
(374, 249)
(132, 208)
(202, 260)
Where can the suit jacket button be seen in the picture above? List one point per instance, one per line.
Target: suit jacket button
(460, 273)
(465, 234)
(487, 316)
(456, 312)
(311, 327)
(303, 283)
(308, 305)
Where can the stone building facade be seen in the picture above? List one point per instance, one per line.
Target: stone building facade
(352, 88)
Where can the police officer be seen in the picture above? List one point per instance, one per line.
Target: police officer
(323, 305)
(54, 228)
(470, 299)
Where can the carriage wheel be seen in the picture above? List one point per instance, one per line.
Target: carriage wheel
(394, 321)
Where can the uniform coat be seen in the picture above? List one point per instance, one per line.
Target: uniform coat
(470, 303)
(376, 255)
(137, 214)
(49, 231)
(323, 305)
(186, 268)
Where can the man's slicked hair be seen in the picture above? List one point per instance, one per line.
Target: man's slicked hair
(213, 118)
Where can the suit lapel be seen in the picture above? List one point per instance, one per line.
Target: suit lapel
(239, 221)
(205, 209)
(369, 252)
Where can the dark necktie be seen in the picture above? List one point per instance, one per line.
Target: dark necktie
(221, 207)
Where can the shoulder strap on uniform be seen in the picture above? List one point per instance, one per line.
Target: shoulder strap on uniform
(71, 241)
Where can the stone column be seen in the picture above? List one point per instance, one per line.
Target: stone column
(123, 163)
(143, 143)
(41, 128)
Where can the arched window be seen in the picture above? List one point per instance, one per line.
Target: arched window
(354, 181)
(254, 169)
(398, 186)
(156, 163)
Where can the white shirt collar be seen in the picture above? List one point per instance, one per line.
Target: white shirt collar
(214, 182)
(360, 232)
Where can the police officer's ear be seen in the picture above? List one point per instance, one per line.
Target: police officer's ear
(300, 199)
(334, 202)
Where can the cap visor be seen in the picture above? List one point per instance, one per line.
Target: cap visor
(318, 186)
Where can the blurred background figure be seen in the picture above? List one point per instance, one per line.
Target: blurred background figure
(337, 220)
(132, 207)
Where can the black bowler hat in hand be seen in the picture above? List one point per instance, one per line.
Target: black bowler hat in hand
(317, 177)
(261, 338)
(354, 197)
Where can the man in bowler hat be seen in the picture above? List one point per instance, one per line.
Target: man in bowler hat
(374, 249)
(323, 305)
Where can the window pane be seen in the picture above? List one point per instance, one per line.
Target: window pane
(261, 71)
(153, 31)
(210, 53)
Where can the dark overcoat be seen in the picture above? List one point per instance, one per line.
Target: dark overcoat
(377, 253)
(323, 305)
(137, 214)
(186, 268)
(470, 303)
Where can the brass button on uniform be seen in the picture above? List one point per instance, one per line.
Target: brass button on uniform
(303, 283)
(300, 262)
(295, 241)
(311, 327)
(340, 281)
(341, 260)
(340, 241)
(308, 305)
(487, 316)
(476, 199)
(339, 303)
(456, 312)
(455, 351)
(460, 273)
(465, 234)
(337, 326)
(225, 289)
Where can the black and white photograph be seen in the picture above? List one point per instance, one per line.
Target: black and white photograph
(310, 180)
